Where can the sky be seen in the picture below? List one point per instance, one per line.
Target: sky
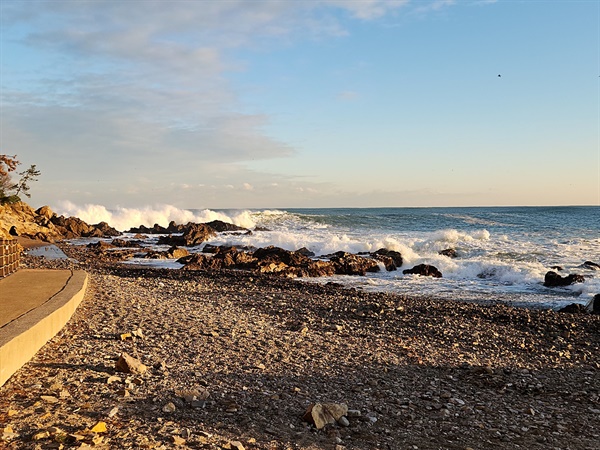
(304, 103)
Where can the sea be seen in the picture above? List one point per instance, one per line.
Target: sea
(503, 253)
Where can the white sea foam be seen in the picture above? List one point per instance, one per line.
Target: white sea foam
(125, 218)
(502, 262)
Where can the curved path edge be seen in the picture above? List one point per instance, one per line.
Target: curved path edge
(23, 337)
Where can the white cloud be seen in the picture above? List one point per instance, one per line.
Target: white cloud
(135, 94)
(369, 9)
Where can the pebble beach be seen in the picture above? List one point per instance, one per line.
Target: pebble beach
(234, 359)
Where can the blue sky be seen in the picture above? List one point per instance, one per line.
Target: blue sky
(253, 104)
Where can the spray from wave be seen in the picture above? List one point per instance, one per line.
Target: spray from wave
(125, 218)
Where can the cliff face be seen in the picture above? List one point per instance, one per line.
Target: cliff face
(27, 222)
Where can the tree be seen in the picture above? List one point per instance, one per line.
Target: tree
(8, 164)
(28, 175)
(9, 191)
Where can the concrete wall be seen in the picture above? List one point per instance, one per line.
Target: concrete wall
(22, 338)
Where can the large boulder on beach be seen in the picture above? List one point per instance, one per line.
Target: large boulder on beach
(393, 254)
(231, 259)
(195, 234)
(106, 229)
(552, 279)
(351, 264)
(424, 270)
(288, 263)
(72, 227)
(590, 265)
(220, 226)
(276, 254)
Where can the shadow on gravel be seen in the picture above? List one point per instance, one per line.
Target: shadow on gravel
(75, 367)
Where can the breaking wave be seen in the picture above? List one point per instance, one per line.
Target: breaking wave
(125, 218)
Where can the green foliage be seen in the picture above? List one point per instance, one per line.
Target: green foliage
(27, 176)
(9, 191)
(9, 199)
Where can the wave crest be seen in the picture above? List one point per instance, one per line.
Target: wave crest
(125, 218)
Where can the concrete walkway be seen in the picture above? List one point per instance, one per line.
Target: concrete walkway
(25, 290)
(34, 306)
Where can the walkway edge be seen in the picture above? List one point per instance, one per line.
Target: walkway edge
(22, 338)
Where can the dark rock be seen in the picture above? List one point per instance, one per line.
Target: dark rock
(591, 265)
(396, 256)
(106, 229)
(558, 268)
(306, 252)
(261, 229)
(210, 248)
(573, 308)
(595, 304)
(100, 245)
(272, 254)
(122, 243)
(156, 229)
(174, 228)
(552, 279)
(194, 261)
(221, 260)
(387, 261)
(154, 254)
(270, 259)
(73, 227)
(194, 235)
(172, 253)
(220, 226)
(425, 270)
(349, 264)
(449, 252)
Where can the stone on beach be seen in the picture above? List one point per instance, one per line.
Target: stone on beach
(322, 414)
(129, 364)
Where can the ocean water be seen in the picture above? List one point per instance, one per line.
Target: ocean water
(503, 252)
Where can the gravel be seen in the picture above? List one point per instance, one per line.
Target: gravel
(234, 359)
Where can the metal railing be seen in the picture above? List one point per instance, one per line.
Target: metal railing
(10, 256)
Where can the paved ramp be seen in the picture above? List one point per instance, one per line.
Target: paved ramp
(34, 306)
(27, 289)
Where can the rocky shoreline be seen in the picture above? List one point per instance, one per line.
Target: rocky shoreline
(112, 246)
(234, 359)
